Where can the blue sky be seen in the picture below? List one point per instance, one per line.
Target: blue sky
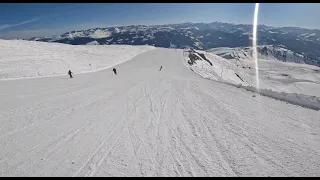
(44, 19)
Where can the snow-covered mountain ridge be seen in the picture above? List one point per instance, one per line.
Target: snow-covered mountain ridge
(202, 36)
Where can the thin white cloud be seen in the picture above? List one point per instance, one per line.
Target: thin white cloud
(26, 34)
(6, 26)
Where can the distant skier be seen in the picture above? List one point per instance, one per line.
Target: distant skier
(160, 68)
(114, 70)
(70, 74)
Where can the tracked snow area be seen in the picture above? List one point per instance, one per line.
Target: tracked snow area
(146, 122)
(20, 58)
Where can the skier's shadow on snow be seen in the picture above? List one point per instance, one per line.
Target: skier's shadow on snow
(65, 78)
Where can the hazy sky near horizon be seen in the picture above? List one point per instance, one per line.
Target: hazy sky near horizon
(27, 20)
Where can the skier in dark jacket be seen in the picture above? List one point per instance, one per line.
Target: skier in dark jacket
(160, 68)
(114, 70)
(70, 74)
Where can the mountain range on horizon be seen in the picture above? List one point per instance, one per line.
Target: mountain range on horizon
(201, 36)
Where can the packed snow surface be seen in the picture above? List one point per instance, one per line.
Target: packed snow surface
(33, 59)
(146, 122)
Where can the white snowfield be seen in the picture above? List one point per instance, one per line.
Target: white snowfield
(29, 59)
(146, 122)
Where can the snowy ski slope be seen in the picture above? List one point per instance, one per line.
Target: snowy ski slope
(146, 122)
(27, 59)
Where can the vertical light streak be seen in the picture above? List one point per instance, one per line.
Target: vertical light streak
(254, 44)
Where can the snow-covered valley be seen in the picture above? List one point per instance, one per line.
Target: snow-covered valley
(146, 122)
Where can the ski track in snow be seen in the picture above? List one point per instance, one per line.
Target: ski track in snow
(145, 122)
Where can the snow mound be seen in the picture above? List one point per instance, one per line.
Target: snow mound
(215, 68)
(286, 85)
(276, 75)
(311, 102)
(21, 59)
